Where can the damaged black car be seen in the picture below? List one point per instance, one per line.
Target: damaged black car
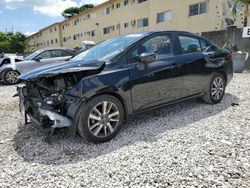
(96, 91)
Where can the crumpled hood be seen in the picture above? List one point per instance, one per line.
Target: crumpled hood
(62, 68)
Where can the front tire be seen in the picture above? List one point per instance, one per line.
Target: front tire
(216, 90)
(101, 119)
(10, 77)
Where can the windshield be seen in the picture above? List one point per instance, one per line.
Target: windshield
(34, 54)
(108, 49)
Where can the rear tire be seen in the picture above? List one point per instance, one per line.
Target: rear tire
(216, 90)
(10, 77)
(101, 119)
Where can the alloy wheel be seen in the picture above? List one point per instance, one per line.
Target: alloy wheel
(12, 77)
(217, 89)
(103, 119)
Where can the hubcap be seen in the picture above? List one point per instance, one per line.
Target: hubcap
(11, 77)
(217, 88)
(103, 119)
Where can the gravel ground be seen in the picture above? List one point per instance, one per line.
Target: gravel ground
(184, 145)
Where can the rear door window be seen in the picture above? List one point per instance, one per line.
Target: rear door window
(5, 61)
(189, 44)
(60, 53)
(46, 55)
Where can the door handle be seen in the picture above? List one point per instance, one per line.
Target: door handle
(176, 66)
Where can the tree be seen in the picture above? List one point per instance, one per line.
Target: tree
(245, 9)
(85, 7)
(72, 11)
(18, 43)
(69, 12)
(12, 43)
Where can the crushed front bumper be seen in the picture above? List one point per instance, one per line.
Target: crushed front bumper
(59, 121)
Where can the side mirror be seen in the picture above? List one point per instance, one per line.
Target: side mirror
(37, 59)
(147, 57)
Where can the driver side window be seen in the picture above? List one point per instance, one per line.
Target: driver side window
(161, 46)
(45, 55)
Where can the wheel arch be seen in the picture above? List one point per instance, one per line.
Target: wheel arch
(223, 73)
(9, 68)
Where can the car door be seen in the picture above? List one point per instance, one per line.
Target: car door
(38, 61)
(48, 57)
(196, 74)
(157, 82)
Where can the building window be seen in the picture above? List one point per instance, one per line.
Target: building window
(126, 25)
(93, 16)
(106, 30)
(52, 42)
(50, 30)
(164, 16)
(75, 22)
(199, 8)
(55, 28)
(56, 40)
(142, 23)
(93, 33)
(118, 26)
(125, 2)
(118, 5)
(64, 39)
(141, 1)
(107, 10)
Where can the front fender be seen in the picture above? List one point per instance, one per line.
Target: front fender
(107, 82)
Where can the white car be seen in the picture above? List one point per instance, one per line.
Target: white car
(11, 67)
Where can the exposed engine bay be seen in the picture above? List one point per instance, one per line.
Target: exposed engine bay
(48, 94)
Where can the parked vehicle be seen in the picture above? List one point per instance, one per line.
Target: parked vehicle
(12, 67)
(10, 75)
(103, 86)
(20, 57)
(87, 45)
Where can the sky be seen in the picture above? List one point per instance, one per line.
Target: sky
(29, 16)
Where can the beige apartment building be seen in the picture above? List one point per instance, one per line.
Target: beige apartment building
(119, 17)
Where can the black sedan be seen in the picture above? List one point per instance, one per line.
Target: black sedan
(99, 89)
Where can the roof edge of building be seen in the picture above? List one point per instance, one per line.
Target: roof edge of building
(78, 15)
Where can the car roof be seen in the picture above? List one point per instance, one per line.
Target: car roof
(57, 48)
(170, 31)
(173, 31)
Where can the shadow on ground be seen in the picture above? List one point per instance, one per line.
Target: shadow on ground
(2, 84)
(30, 145)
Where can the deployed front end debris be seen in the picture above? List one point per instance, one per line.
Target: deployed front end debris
(52, 98)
